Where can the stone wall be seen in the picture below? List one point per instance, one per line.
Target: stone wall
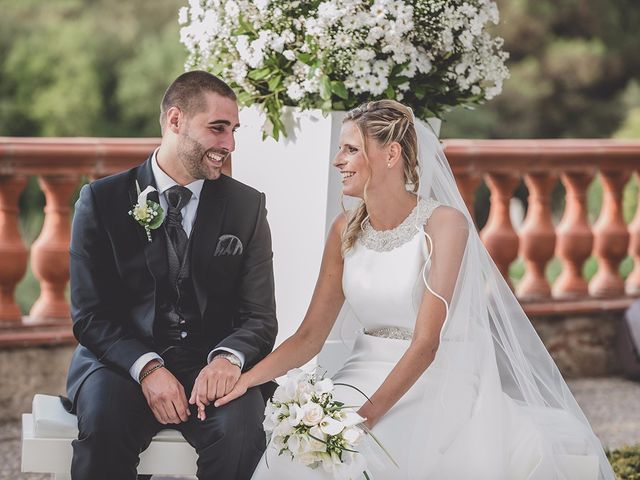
(582, 345)
(27, 371)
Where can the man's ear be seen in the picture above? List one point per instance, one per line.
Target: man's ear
(173, 119)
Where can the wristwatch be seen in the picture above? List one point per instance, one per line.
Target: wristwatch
(231, 358)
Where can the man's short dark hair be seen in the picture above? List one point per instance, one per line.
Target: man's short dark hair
(186, 92)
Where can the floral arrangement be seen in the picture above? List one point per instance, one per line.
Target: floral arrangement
(303, 420)
(147, 213)
(336, 54)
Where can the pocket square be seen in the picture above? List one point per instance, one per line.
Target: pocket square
(228, 245)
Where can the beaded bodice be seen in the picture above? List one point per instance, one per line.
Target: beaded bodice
(385, 240)
(382, 276)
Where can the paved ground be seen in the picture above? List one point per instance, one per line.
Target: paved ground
(611, 404)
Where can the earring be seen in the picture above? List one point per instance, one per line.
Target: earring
(389, 164)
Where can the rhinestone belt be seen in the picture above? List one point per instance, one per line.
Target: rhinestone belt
(397, 333)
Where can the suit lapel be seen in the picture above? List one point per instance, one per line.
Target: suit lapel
(206, 231)
(155, 251)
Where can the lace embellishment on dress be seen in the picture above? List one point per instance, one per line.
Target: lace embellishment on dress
(386, 240)
(397, 333)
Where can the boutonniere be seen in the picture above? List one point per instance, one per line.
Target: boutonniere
(147, 213)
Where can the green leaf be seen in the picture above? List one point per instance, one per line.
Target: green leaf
(274, 82)
(259, 74)
(390, 92)
(305, 58)
(339, 89)
(157, 221)
(325, 88)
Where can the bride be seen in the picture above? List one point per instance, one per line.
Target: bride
(460, 385)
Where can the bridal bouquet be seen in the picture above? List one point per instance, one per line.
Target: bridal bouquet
(303, 420)
(336, 54)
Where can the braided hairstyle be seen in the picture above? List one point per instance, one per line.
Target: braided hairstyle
(385, 121)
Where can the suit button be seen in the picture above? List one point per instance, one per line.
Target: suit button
(183, 334)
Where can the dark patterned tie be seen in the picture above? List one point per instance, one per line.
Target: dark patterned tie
(177, 198)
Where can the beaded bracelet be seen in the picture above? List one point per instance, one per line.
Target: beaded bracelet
(151, 370)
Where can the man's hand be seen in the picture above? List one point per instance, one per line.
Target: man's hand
(214, 381)
(165, 395)
(241, 387)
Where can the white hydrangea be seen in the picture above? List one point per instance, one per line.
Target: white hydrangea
(364, 46)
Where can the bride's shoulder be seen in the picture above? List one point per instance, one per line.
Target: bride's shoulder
(340, 222)
(445, 217)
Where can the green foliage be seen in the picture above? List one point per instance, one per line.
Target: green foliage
(625, 462)
(570, 63)
(86, 67)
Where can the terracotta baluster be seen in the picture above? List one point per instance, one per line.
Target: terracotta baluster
(575, 238)
(498, 234)
(632, 285)
(50, 252)
(13, 253)
(537, 236)
(611, 237)
(467, 184)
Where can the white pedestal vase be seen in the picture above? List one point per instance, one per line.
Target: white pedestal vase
(303, 192)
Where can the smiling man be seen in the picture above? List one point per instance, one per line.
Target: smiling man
(167, 315)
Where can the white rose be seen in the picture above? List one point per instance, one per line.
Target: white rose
(313, 414)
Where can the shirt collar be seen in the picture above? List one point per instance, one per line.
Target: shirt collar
(164, 181)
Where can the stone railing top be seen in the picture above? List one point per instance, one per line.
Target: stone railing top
(91, 156)
(103, 156)
(545, 155)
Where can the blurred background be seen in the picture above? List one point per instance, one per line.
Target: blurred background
(99, 67)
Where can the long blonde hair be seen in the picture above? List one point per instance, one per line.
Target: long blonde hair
(385, 121)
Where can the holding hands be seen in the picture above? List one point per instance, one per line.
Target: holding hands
(166, 396)
(214, 381)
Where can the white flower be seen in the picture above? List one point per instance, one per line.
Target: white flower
(352, 435)
(331, 426)
(361, 68)
(295, 91)
(349, 418)
(324, 386)
(261, 4)
(296, 414)
(313, 414)
(231, 8)
(289, 55)
(183, 15)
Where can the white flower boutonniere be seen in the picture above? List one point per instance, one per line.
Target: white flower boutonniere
(147, 213)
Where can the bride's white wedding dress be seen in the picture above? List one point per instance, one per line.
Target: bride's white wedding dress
(455, 422)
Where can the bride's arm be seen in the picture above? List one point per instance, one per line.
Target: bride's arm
(450, 233)
(308, 340)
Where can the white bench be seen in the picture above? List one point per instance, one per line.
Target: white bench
(47, 433)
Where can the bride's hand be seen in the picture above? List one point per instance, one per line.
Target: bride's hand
(240, 389)
(367, 411)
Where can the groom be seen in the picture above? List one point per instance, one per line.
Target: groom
(167, 323)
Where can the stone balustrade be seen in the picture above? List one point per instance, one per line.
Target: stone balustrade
(61, 164)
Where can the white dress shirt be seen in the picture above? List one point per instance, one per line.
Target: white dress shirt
(165, 182)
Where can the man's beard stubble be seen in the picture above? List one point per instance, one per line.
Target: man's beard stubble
(191, 153)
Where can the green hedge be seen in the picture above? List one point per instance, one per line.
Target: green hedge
(625, 462)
